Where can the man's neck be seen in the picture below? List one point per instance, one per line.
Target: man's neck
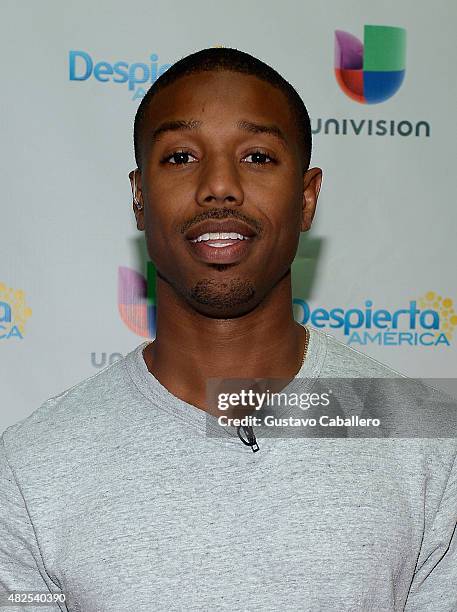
(190, 348)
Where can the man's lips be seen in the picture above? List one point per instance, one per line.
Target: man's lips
(226, 226)
(222, 250)
(210, 241)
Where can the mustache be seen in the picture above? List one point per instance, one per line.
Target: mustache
(223, 213)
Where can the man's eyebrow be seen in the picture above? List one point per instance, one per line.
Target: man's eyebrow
(174, 125)
(177, 125)
(258, 128)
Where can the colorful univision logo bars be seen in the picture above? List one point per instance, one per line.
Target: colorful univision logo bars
(373, 71)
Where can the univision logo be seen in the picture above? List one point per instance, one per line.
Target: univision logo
(373, 71)
(136, 299)
(369, 73)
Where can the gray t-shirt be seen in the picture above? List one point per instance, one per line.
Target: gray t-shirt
(113, 493)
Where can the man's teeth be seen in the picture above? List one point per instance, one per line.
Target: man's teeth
(219, 236)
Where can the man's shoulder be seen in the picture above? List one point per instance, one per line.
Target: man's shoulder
(408, 407)
(69, 419)
(342, 360)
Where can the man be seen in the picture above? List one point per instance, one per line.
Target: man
(126, 493)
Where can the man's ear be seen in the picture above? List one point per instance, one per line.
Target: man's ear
(312, 180)
(137, 195)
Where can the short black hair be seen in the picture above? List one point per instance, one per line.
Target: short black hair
(231, 59)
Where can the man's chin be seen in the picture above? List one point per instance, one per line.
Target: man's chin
(223, 299)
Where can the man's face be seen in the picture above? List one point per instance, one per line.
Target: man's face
(220, 172)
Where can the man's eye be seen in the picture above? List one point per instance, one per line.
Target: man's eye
(181, 158)
(259, 157)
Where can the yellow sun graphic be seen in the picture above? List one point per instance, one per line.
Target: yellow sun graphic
(16, 299)
(445, 308)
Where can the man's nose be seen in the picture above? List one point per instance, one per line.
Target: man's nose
(220, 181)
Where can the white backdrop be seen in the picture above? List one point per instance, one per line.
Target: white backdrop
(385, 226)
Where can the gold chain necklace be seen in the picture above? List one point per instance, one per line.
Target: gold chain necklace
(306, 346)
